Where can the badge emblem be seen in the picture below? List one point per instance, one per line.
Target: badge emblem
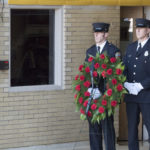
(146, 53)
(117, 54)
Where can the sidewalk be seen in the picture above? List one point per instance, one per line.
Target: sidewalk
(74, 146)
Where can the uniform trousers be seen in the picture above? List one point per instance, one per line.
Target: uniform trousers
(106, 127)
(133, 114)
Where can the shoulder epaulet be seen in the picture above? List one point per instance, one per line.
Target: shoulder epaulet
(92, 46)
(132, 43)
(113, 46)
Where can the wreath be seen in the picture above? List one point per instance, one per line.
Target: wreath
(111, 69)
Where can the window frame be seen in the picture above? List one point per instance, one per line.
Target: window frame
(58, 52)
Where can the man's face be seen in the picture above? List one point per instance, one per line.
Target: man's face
(141, 33)
(99, 37)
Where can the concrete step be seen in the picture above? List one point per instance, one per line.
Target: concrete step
(84, 145)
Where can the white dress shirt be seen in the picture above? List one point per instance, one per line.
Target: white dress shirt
(142, 43)
(101, 46)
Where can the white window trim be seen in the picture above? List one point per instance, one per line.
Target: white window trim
(58, 52)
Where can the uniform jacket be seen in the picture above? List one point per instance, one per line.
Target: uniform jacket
(111, 51)
(137, 69)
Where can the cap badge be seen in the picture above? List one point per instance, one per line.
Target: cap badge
(140, 24)
(98, 28)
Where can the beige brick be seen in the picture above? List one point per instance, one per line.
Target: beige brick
(34, 118)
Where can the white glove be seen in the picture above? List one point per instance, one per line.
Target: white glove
(130, 87)
(138, 86)
(95, 94)
(133, 88)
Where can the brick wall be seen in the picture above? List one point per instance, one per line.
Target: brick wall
(46, 117)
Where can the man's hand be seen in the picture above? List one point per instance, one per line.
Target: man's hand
(130, 87)
(138, 87)
(95, 94)
(133, 88)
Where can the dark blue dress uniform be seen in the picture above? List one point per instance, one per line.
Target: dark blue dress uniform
(107, 125)
(137, 70)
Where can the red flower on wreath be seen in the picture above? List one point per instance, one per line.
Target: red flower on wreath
(95, 74)
(104, 102)
(82, 77)
(93, 106)
(101, 109)
(89, 114)
(109, 92)
(85, 103)
(76, 77)
(75, 96)
(80, 100)
(87, 69)
(102, 56)
(80, 67)
(96, 66)
(114, 81)
(87, 83)
(78, 88)
(118, 71)
(90, 59)
(114, 103)
(104, 66)
(95, 101)
(82, 111)
(119, 87)
(86, 93)
(109, 71)
(104, 74)
(113, 60)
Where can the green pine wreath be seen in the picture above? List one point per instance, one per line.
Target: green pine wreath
(112, 70)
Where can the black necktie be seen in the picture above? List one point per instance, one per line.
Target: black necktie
(139, 47)
(98, 49)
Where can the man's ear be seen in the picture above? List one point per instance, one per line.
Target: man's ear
(106, 34)
(148, 30)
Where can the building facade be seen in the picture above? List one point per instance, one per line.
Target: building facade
(44, 45)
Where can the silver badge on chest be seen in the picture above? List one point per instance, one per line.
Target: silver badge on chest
(146, 53)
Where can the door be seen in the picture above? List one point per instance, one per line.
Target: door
(127, 35)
